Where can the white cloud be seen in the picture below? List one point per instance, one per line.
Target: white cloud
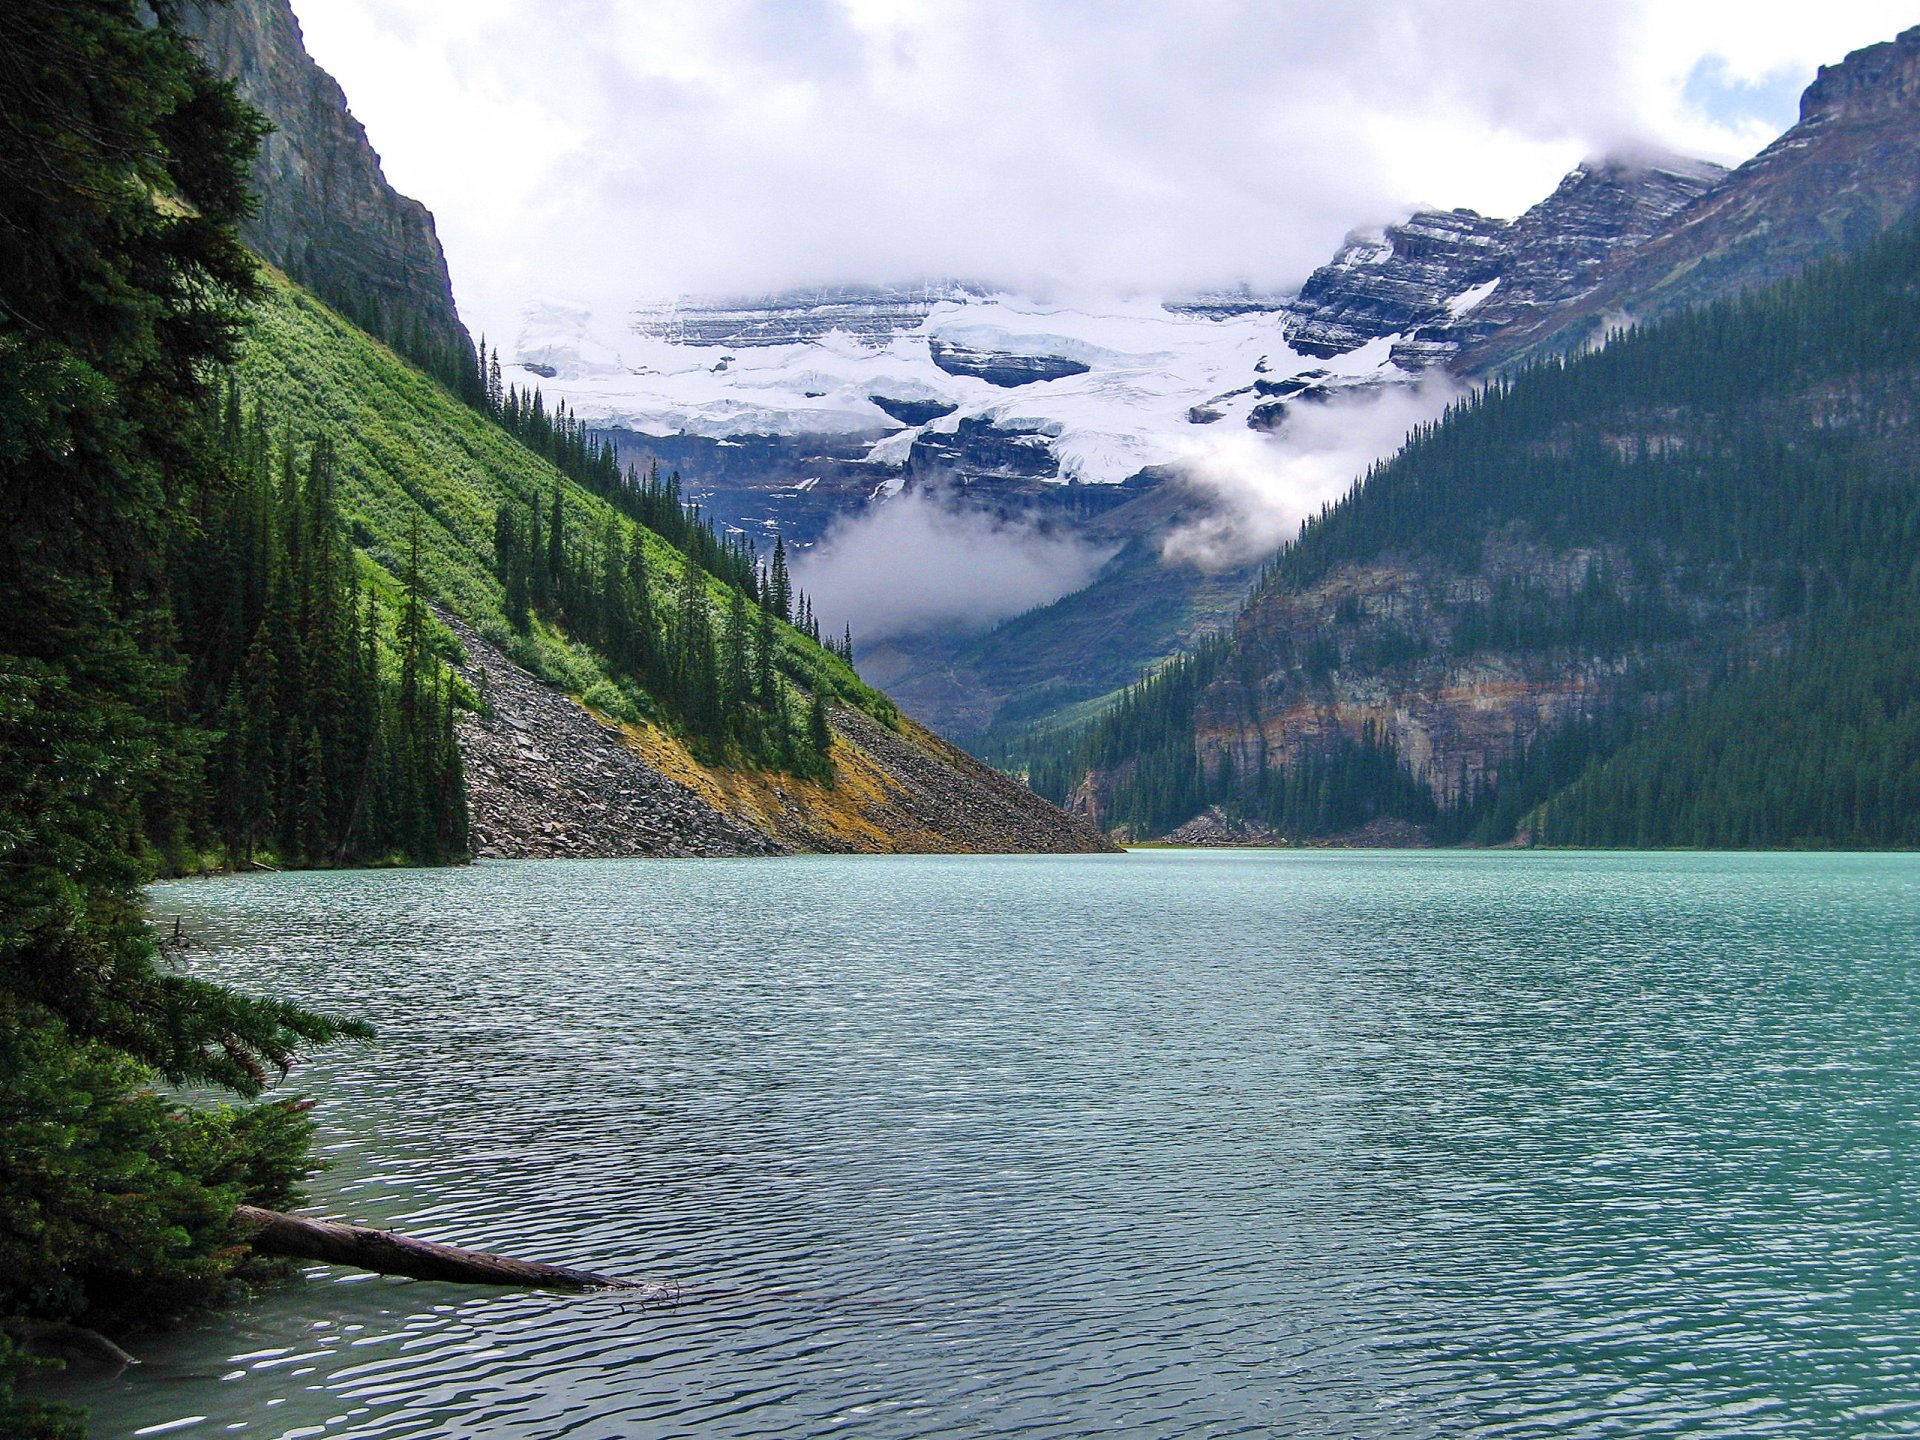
(920, 562)
(1264, 485)
(615, 149)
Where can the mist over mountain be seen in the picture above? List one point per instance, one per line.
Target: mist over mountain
(1022, 419)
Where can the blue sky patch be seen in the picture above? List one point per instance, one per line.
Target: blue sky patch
(1725, 98)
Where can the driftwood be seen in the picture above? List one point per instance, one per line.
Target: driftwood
(56, 1340)
(270, 1232)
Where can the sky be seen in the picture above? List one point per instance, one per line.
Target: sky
(610, 151)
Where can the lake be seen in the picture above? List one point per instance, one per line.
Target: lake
(1172, 1143)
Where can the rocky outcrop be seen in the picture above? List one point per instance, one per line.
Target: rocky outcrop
(977, 449)
(872, 314)
(1000, 368)
(1847, 171)
(913, 412)
(327, 215)
(1213, 828)
(1446, 280)
(1558, 250)
(546, 778)
(1394, 281)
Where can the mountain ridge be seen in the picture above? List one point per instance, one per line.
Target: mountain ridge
(326, 214)
(1846, 171)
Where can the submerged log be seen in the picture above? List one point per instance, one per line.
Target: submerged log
(298, 1237)
(56, 1340)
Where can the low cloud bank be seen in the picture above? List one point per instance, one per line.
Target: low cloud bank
(1265, 485)
(921, 562)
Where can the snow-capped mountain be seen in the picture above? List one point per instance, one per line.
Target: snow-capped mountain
(1095, 392)
(984, 384)
(792, 412)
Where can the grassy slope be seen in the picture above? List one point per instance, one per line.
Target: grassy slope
(409, 449)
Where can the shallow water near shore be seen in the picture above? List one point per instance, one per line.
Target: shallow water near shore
(1164, 1144)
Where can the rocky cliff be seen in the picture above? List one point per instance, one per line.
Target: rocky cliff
(1446, 280)
(1846, 172)
(327, 215)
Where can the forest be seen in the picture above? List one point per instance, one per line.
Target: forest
(229, 521)
(1752, 467)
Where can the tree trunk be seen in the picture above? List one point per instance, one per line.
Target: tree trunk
(270, 1232)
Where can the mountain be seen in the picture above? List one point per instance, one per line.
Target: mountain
(619, 775)
(636, 773)
(1663, 594)
(1443, 281)
(327, 215)
(1848, 170)
(796, 413)
(1644, 237)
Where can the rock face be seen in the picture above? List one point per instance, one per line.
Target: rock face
(1443, 281)
(546, 778)
(327, 215)
(1847, 171)
(872, 314)
(913, 412)
(977, 449)
(1394, 281)
(1009, 372)
(1383, 650)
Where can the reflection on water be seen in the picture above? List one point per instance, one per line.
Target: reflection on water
(1164, 1144)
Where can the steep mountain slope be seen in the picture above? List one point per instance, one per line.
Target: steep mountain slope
(1444, 280)
(409, 454)
(1844, 173)
(793, 413)
(1662, 595)
(327, 215)
(1849, 169)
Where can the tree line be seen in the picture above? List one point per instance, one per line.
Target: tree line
(331, 731)
(716, 670)
(649, 499)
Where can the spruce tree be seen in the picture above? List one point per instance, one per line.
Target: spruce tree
(778, 582)
(123, 169)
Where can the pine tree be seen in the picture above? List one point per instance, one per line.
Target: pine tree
(779, 583)
(556, 547)
(511, 564)
(737, 668)
(820, 734)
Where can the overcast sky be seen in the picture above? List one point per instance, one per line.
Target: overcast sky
(608, 151)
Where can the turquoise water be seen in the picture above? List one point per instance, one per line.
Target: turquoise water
(1163, 1144)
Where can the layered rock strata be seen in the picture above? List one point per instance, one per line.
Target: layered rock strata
(327, 215)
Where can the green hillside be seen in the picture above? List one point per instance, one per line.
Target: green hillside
(407, 450)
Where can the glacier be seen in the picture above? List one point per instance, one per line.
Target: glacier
(1149, 367)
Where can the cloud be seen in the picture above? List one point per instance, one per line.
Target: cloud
(921, 562)
(1264, 485)
(620, 150)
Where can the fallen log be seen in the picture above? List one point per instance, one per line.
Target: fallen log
(270, 1232)
(56, 1340)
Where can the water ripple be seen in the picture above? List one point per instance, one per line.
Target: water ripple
(1166, 1144)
